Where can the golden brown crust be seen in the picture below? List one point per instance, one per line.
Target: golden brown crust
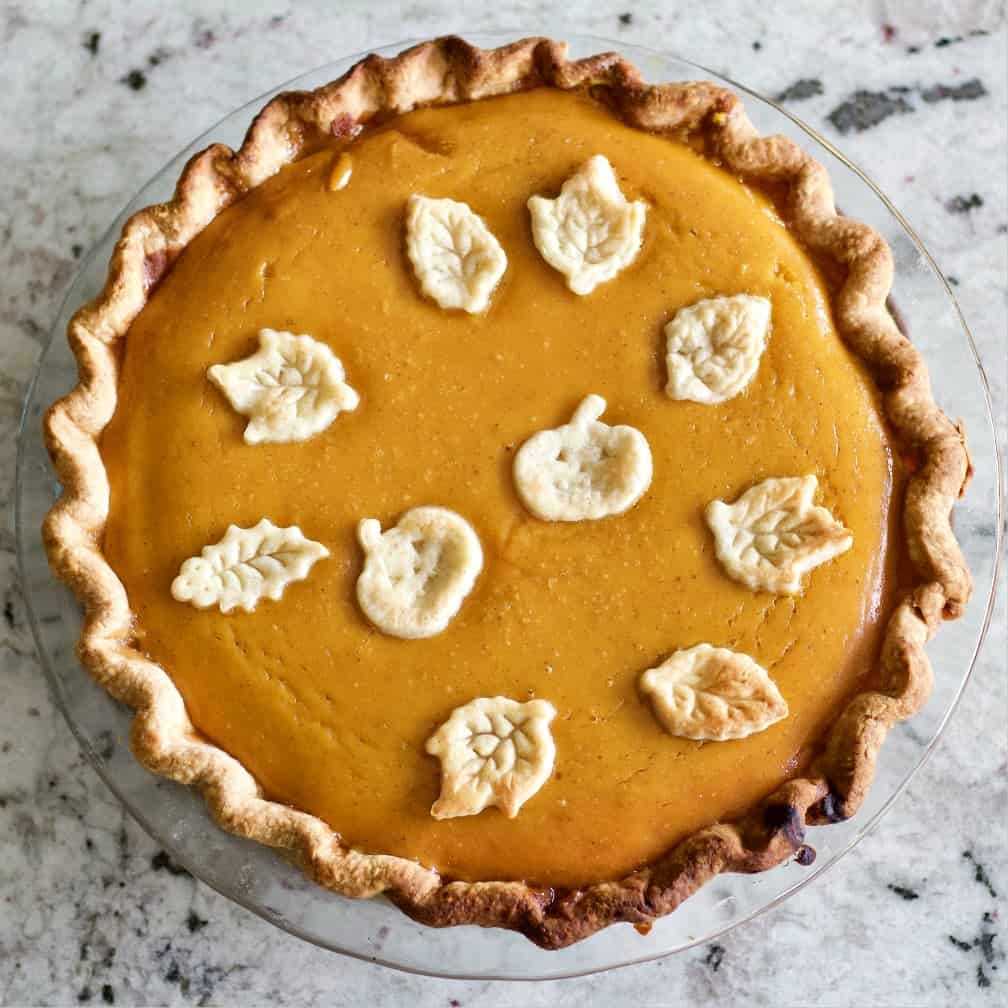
(444, 71)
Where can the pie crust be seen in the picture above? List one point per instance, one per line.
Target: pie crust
(449, 70)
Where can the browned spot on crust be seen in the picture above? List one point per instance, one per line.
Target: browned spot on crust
(154, 266)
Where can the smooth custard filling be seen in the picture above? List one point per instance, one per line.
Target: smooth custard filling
(330, 715)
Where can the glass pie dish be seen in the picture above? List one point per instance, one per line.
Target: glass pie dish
(266, 883)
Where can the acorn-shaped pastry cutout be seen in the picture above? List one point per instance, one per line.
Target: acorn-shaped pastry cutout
(584, 469)
(417, 573)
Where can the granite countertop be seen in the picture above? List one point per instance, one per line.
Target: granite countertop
(96, 96)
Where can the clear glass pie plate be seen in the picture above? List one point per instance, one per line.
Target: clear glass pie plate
(374, 930)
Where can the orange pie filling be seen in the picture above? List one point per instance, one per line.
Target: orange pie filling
(330, 714)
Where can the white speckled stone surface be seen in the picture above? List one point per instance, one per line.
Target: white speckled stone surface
(95, 97)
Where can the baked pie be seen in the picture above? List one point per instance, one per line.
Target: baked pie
(501, 483)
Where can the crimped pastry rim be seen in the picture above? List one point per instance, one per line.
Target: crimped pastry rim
(444, 71)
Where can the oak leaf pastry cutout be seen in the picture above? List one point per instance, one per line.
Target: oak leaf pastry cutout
(417, 573)
(291, 388)
(494, 751)
(714, 347)
(584, 469)
(590, 231)
(456, 258)
(773, 534)
(246, 565)
(712, 694)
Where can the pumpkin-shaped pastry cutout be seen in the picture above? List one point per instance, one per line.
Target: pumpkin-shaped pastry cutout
(584, 469)
(417, 573)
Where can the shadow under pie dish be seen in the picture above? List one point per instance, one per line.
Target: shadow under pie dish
(327, 716)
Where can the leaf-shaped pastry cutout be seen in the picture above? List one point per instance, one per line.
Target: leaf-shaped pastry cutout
(291, 388)
(590, 231)
(245, 566)
(417, 573)
(456, 258)
(713, 694)
(493, 751)
(714, 347)
(773, 534)
(583, 469)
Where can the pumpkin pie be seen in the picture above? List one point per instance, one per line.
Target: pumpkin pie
(501, 484)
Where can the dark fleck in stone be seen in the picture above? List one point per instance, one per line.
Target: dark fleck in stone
(454, 1003)
(913, 49)
(9, 613)
(967, 91)
(33, 712)
(785, 819)
(161, 862)
(85, 995)
(277, 20)
(173, 974)
(805, 855)
(963, 204)
(108, 995)
(946, 40)
(76, 250)
(904, 892)
(204, 39)
(954, 281)
(986, 941)
(715, 956)
(900, 89)
(980, 875)
(195, 923)
(135, 79)
(807, 87)
(865, 109)
(959, 943)
(626, 19)
(888, 32)
(757, 46)
(982, 979)
(89, 843)
(106, 745)
(158, 57)
(91, 42)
